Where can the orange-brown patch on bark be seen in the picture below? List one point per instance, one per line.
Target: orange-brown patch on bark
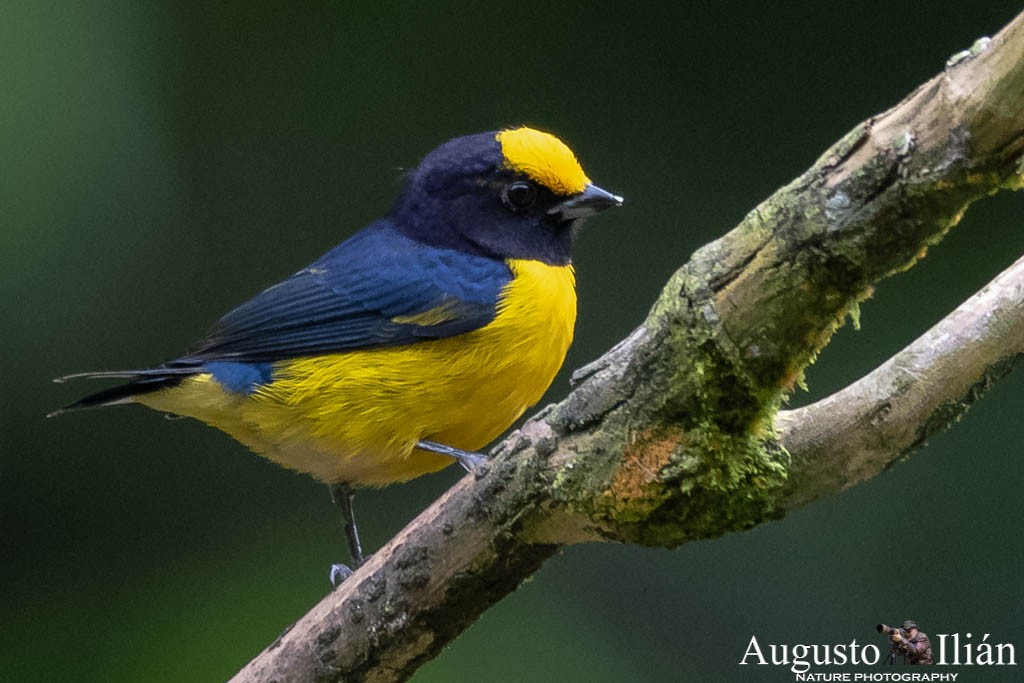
(636, 481)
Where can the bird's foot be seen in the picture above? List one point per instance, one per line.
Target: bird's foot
(339, 572)
(342, 495)
(468, 459)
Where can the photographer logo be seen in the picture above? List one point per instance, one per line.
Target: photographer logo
(906, 645)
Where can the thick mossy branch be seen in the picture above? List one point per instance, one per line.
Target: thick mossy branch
(693, 395)
(671, 435)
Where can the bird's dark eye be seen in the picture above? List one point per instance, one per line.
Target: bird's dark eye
(520, 195)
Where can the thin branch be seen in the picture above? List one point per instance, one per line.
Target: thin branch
(670, 435)
(855, 433)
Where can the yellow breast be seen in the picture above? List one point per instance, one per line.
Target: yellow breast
(356, 416)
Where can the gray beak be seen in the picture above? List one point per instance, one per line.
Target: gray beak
(592, 200)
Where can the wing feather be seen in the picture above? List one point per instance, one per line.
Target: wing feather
(367, 292)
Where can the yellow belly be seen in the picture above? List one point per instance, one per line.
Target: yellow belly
(356, 416)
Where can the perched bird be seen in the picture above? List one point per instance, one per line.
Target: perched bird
(410, 345)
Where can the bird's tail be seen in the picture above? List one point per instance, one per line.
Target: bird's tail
(139, 382)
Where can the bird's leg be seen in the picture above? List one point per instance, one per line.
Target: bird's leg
(468, 459)
(342, 495)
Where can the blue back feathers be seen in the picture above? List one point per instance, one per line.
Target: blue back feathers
(240, 378)
(361, 294)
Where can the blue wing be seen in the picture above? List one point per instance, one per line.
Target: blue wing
(378, 288)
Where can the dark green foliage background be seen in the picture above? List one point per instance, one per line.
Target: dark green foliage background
(163, 162)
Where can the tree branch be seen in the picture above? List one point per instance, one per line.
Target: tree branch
(670, 436)
(856, 433)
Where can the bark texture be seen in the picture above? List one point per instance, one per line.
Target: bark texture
(675, 434)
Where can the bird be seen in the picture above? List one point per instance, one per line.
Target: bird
(409, 346)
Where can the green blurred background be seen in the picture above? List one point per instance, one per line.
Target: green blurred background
(162, 162)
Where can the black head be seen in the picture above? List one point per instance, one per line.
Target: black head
(516, 193)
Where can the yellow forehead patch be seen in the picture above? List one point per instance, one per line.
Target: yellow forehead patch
(543, 158)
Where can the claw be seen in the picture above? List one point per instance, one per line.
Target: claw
(339, 572)
(468, 459)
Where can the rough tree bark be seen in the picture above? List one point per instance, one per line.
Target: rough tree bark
(676, 434)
